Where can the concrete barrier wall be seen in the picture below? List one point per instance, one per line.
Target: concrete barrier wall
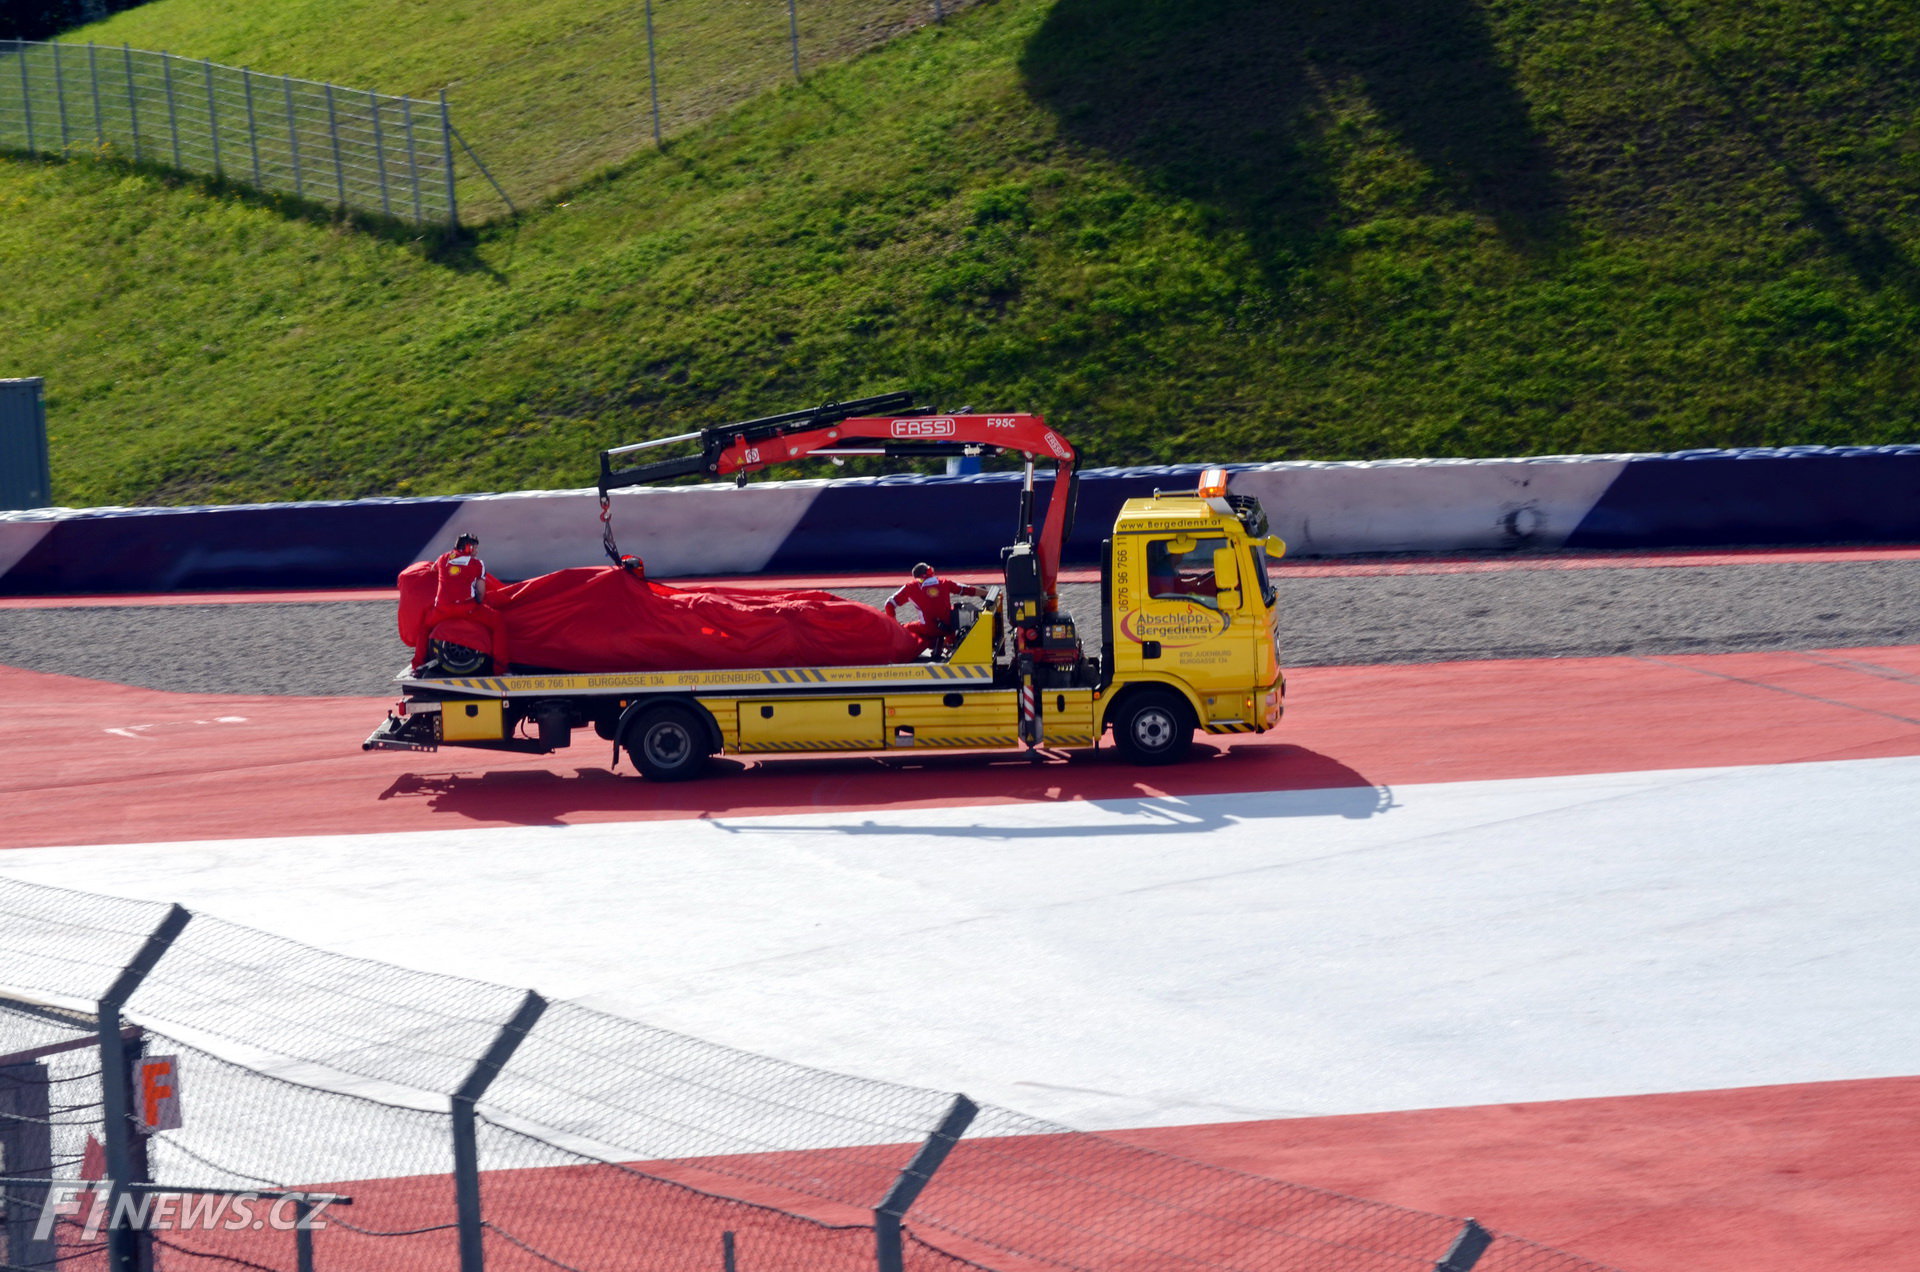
(1797, 495)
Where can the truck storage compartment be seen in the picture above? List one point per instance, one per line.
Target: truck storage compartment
(813, 724)
(985, 719)
(471, 720)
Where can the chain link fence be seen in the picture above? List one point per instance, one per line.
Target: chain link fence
(421, 1121)
(546, 114)
(341, 146)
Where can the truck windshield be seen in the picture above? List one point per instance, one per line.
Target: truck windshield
(1260, 573)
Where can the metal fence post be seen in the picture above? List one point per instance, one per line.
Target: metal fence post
(116, 1088)
(60, 92)
(446, 150)
(379, 152)
(293, 138)
(26, 91)
(793, 35)
(93, 78)
(653, 76)
(302, 1235)
(213, 118)
(888, 1255)
(466, 1147)
(413, 162)
(1467, 1249)
(939, 12)
(26, 1149)
(339, 168)
(173, 114)
(133, 102)
(253, 130)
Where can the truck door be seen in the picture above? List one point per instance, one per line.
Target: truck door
(1180, 602)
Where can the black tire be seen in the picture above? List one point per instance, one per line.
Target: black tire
(1153, 726)
(458, 660)
(667, 744)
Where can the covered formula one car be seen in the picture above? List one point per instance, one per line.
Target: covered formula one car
(605, 619)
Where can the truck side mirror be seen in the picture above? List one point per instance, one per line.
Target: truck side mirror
(1226, 578)
(1276, 547)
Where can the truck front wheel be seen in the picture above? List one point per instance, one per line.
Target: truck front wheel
(1153, 726)
(667, 744)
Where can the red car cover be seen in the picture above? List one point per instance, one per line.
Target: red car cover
(602, 619)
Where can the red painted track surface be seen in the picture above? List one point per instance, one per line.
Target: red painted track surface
(1760, 1179)
(1816, 1177)
(98, 763)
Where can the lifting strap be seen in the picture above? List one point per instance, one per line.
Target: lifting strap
(606, 530)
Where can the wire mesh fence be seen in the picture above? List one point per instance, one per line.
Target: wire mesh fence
(346, 147)
(476, 1125)
(545, 113)
(622, 77)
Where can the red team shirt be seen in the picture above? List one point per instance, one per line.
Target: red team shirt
(933, 597)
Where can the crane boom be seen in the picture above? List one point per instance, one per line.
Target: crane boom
(891, 426)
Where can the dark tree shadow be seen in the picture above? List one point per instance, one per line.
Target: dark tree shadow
(1220, 101)
(456, 248)
(1864, 246)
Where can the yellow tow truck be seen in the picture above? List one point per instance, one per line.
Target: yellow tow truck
(1188, 632)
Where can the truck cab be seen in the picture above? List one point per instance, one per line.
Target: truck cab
(1191, 634)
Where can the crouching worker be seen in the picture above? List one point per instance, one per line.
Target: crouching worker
(933, 597)
(460, 581)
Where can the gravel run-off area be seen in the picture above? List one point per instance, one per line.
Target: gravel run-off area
(352, 648)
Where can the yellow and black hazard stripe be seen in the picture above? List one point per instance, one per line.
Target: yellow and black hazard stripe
(482, 684)
(815, 744)
(1231, 726)
(796, 676)
(950, 742)
(960, 673)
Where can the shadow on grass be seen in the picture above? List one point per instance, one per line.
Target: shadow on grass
(453, 247)
(1223, 102)
(1866, 249)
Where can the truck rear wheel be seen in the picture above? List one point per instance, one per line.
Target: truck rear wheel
(667, 744)
(459, 660)
(1153, 726)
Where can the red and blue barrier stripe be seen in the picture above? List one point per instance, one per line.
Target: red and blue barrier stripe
(1764, 497)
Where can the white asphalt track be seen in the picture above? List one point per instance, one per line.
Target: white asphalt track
(1168, 961)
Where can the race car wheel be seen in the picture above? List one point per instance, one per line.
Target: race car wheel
(458, 660)
(667, 744)
(1153, 726)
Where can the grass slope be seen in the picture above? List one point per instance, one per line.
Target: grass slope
(1185, 229)
(546, 91)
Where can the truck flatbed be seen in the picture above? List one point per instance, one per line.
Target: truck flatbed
(617, 684)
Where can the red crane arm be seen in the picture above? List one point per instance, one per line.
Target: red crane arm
(1030, 435)
(837, 429)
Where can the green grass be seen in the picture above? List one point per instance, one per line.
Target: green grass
(1183, 229)
(547, 92)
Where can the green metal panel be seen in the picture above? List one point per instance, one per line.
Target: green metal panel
(25, 481)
